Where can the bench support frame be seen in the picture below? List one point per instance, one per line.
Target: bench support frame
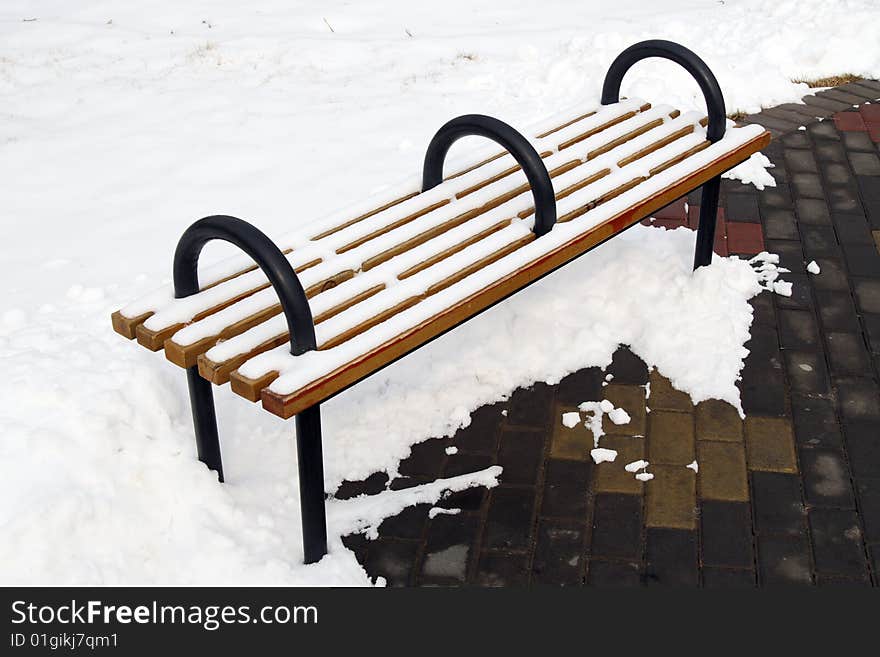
(714, 107)
(294, 302)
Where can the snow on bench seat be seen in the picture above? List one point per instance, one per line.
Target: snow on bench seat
(382, 282)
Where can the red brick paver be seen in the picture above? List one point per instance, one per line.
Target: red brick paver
(849, 121)
(745, 239)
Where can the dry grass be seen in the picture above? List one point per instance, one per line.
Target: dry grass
(738, 115)
(831, 81)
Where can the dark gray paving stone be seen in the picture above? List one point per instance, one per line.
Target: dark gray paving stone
(409, 523)
(826, 103)
(868, 187)
(872, 329)
(627, 368)
(841, 96)
(566, 484)
(852, 229)
(819, 241)
(856, 89)
(762, 385)
(775, 125)
(614, 574)
(824, 130)
(776, 197)
(726, 578)
(373, 484)
(521, 454)
(617, 526)
(580, 386)
(742, 207)
(806, 372)
(797, 329)
(837, 543)
(837, 311)
(863, 447)
(812, 211)
(726, 532)
(790, 254)
(425, 460)
(762, 309)
(836, 173)
(830, 151)
(858, 399)
(808, 112)
(509, 521)
(784, 561)
(858, 141)
(559, 553)
(532, 407)
(862, 260)
(795, 139)
(449, 549)
(393, 560)
(832, 275)
(868, 491)
(807, 185)
(780, 224)
(801, 293)
(865, 164)
(777, 504)
(672, 558)
(836, 581)
(826, 478)
(843, 198)
(502, 570)
(847, 354)
(815, 422)
(482, 434)
(800, 159)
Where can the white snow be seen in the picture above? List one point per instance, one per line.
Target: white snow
(644, 476)
(117, 135)
(635, 466)
(570, 420)
(603, 455)
(435, 511)
(753, 172)
(693, 465)
(451, 450)
(619, 416)
(813, 267)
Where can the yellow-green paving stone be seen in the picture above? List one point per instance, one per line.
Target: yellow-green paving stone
(572, 443)
(665, 397)
(611, 477)
(722, 471)
(671, 497)
(670, 437)
(770, 444)
(632, 400)
(718, 420)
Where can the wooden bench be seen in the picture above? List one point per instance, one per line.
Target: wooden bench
(339, 299)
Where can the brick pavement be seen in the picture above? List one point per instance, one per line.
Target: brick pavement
(789, 496)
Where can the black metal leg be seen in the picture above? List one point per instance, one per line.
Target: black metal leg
(311, 483)
(706, 229)
(201, 399)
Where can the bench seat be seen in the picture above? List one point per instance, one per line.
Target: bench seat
(387, 277)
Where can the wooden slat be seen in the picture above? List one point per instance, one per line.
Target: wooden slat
(286, 406)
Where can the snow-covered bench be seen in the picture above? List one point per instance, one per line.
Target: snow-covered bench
(334, 302)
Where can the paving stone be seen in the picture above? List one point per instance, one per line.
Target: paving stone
(776, 197)
(858, 90)
(843, 198)
(566, 486)
(815, 423)
(837, 542)
(872, 328)
(801, 292)
(762, 308)
(727, 534)
(632, 400)
(829, 151)
(857, 141)
(670, 437)
(867, 293)
(823, 131)
(583, 385)
(393, 560)
(614, 574)
(852, 229)
(611, 477)
(520, 454)
(797, 329)
(372, 485)
(862, 260)
(812, 211)
(796, 118)
(745, 238)
(409, 523)
(425, 460)
(780, 224)
(868, 186)
(876, 235)
(770, 444)
(718, 420)
(849, 121)
(449, 548)
(509, 521)
(836, 311)
(806, 372)
(559, 553)
(809, 112)
(665, 397)
(847, 354)
(671, 497)
(865, 164)
(828, 103)
(836, 173)
(777, 504)
(819, 241)
(807, 185)
(833, 275)
(672, 558)
(775, 125)
(725, 578)
(570, 443)
(762, 386)
(497, 570)
(800, 159)
(465, 462)
(481, 435)
(627, 368)
(869, 508)
(840, 96)
(531, 406)
(722, 471)
(742, 207)
(863, 447)
(835, 581)
(675, 210)
(826, 478)
(617, 526)
(858, 399)
(784, 560)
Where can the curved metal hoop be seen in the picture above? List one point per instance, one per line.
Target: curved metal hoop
(685, 58)
(517, 145)
(267, 256)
